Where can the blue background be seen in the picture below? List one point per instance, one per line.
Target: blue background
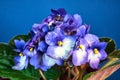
(18, 16)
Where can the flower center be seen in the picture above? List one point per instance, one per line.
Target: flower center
(21, 54)
(80, 46)
(31, 49)
(60, 43)
(96, 51)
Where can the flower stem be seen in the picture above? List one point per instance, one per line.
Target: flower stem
(82, 69)
(42, 75)
(68, 70)
(75, 71)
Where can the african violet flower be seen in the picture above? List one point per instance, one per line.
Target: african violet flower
(82, 31)
(55, 19)
(56, 52)
(56, 39)
(19, 45)
(29, 49)
(48, 62)
(96, 53)
(36, 59)
(60, 45)
(68, 44)
(39, 28)
(80, 55)
(53, 37)
(43, 61)
(21, 60)
(60, 11)
(71, 24)
(90, 38)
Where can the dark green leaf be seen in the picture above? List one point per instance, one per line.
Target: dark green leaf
(52, 74)
(111, 62)
(6, 50)
(15, 75)
(24, 37)
(110, 46)
(87, 76)
(114, 54)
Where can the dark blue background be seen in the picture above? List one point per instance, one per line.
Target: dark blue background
(18, 16)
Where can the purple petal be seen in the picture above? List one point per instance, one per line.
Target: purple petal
(50, 38)
(78, 19)
(102, 45)
(17, 59)
(36, 60)
(83, 42)
(93, 59)
(67, 17)
(35, 28)
(44, 68)
(47, 20)
(79, 57)
(94, 62)
(48, 61)
(19, 44)
(99, 45)
(45, 28)
(82, 30)
(17, 50)
(26, 62)
(90, 38)
(29, 53)
(103, 54)
(18, 67)
(59, 62)
(42, 46)
(20, 63)
(68, 43)
(54, 11)
(61, 11)
(56, 52)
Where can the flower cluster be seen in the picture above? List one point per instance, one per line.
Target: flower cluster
(57, 38)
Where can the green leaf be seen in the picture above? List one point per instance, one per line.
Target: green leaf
(110, 44)
(6, 62)
(6, 50)
(52, 74)
(87, 76)
(24, 37)
(111, 62)
(15, 75)
(114, 54)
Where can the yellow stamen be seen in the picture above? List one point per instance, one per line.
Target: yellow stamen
(31, 49)
(21, 54)
(80, 46)
(60, 43)
(96, 51)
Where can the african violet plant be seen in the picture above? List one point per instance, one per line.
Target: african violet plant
(59, 48)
